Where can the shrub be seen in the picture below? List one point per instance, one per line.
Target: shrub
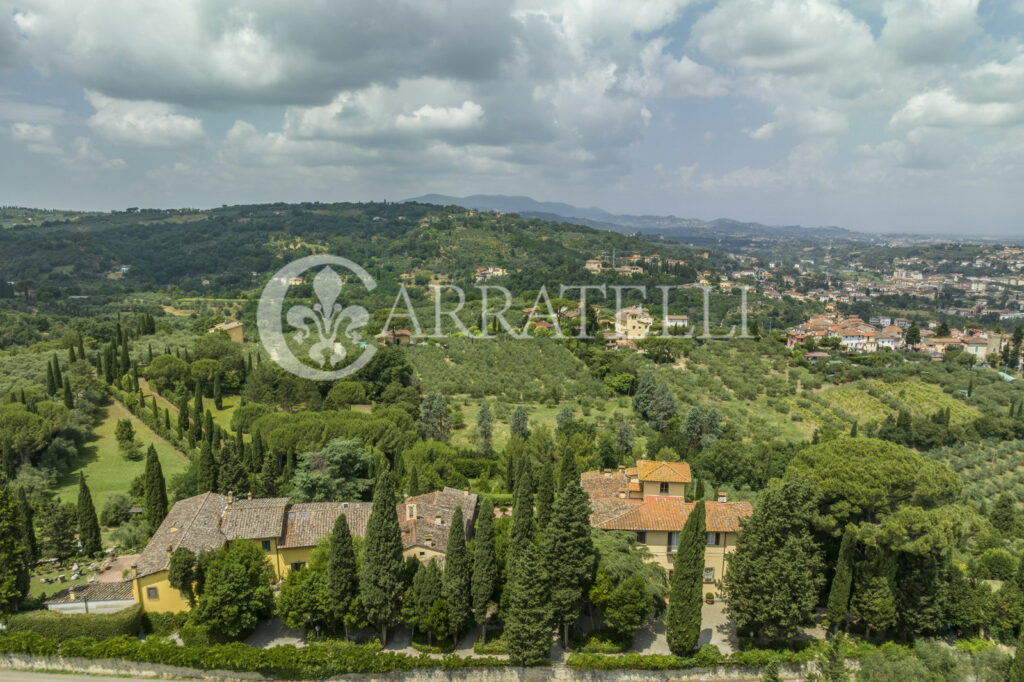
(61, 626)
(164, 624)
(319, 660)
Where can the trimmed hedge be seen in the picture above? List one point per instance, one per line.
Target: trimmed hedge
(318, 660)
(164, 624)
(62, 626)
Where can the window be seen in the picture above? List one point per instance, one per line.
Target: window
(151, 593)
(709, 574)
(663, 488)
(266, 545)
(641, 537)
(714, 539)
(673, 541)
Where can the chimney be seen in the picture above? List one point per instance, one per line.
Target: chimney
(231, 498)
(722, 496)
(170, 551)
(249, 496)
(410, 511)
(622, 468)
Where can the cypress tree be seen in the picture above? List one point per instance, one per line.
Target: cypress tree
(88, 524)
(183, 422)
(231, 476)
(217, 399)
(342, 581)
(28, 514)
(698, 493)
(545, 495)
(839, 594)
(14, 552)
(206, 480)
(167, 420)
(567, 471)
(150, 353)
(197, 403)
(380, 579)
(81, 347)
(69, 400)
(522, 517)
(155, 489)
(266, 482)
(126, 361)
(51, 385)
(519, 425)
(682, 624)
(58, 378)
(485, 565)
(413, 485)
(208, 430)
(458, 576)
(568, 553)
(853, 429)
(527, 629)
(485, 425)
(8, 464)
(71, 355)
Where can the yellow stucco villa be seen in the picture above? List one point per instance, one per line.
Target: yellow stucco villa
(650, 501)
(286, 532)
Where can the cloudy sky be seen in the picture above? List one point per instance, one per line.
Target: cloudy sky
(871, 114)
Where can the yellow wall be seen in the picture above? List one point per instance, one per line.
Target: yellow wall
(424, 554)
(286, 557)
(651, 489)
(167, 599)
(714, 556)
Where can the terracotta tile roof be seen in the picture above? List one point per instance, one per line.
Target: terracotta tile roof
(254, 519)
(606, 509)
(599, 484)
(439, 505)
(672, 472)
(670, 513)
(425, 533)
(193, 523)
(308, 522)
(635, 487)
(119, 591)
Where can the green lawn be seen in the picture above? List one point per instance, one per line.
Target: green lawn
(106, 471)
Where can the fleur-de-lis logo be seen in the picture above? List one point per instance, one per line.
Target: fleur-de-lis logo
(326, 318)
(323, 322)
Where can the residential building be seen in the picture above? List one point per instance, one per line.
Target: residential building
(633, 323)
(94, 597)
(286, 532)
(593, 266)
(649, 500)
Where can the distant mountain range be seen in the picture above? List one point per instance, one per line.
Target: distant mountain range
(721, 231)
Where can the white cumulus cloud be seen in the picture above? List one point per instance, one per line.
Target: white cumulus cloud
(142, 124)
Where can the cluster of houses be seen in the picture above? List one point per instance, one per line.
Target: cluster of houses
(882, 332)
(631, 264)
(649, 500)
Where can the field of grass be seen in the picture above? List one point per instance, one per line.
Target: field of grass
(106, 471)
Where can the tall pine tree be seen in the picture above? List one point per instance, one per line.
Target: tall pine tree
(839, 594)
(155, 489)
(485, 565)
(545, 495)
(485, 425)
(342, 580)
(458, 576)
(380, 579)
(569, 557)
(527, 628)
(14, 553)
(206, 478)
(28, 514)
(88, 524)
(682, 623)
